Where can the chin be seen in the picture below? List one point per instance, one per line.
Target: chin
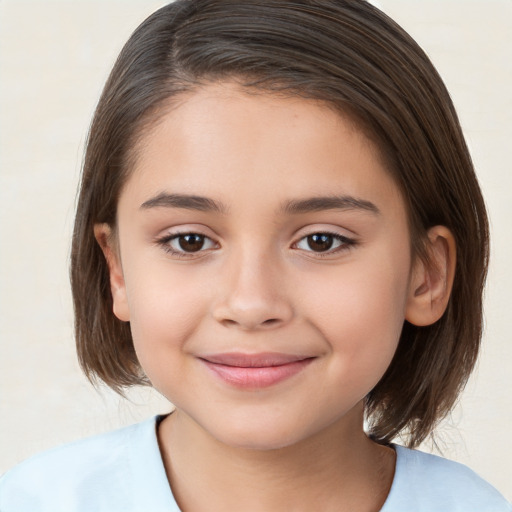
(262, 433)
(260, 440)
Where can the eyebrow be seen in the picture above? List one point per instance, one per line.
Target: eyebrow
(188, 202)
(316, 204)
(294, 207)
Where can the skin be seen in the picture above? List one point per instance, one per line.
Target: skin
(258, 285)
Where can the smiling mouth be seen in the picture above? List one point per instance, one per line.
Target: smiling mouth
(253, 371)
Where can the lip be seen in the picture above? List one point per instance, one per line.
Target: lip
(253, 371)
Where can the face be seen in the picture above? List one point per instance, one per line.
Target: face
(263, 264)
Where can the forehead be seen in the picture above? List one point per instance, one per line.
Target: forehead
(224, 141)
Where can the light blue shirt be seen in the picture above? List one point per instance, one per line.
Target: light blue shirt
(123, 471)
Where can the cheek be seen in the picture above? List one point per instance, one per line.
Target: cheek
(360, 313)
(165, 310)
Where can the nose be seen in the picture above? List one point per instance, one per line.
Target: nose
(252, 295)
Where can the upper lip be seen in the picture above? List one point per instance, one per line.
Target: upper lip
(261, 360)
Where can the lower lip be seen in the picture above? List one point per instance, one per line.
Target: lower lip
(260, 377)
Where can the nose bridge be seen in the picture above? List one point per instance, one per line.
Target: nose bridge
(253, 295)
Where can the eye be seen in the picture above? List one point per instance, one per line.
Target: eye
(183, 244)
(324, 243)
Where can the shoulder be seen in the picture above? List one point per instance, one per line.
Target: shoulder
(90, 474)
(429, 483)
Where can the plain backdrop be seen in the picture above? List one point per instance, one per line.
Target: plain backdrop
(54, 59)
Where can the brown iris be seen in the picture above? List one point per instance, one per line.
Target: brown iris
(191, 242)
(320, 242)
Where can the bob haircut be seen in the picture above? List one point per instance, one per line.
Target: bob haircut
(352, 57)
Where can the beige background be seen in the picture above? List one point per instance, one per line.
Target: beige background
(55, 56)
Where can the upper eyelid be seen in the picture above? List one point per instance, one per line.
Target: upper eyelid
(345, 240)
(335, 231)
(301, 233)
(167, 237)
(325, 232)
(305, 231)
(331, 229)
(174, 231)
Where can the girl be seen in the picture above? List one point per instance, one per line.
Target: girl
(280, 229)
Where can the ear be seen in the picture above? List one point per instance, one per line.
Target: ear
(106, 240)
(431, 284)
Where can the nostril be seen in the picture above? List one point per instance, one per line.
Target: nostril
(228, 322)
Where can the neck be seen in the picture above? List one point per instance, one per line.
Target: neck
(337, 469)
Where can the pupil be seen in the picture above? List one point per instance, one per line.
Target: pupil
(191, 243)
(320, 242)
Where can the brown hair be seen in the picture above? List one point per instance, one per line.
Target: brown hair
(352, 56)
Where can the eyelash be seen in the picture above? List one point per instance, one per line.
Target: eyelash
(346, 243)
(164, 242)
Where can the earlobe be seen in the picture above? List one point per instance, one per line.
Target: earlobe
(431, 283)
(106, 240)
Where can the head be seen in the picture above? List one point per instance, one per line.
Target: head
(353, 59)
